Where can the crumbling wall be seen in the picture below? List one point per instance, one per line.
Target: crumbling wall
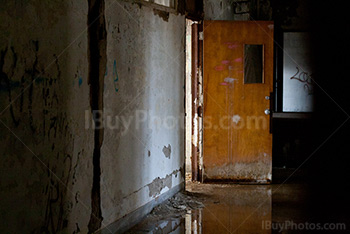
(144, 89)
(57, 70)
(45, 152)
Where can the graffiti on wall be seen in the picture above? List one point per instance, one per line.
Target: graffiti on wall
(305, 78)
(31, 97)
(115, 75)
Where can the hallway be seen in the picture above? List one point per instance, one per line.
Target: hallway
(174, 116)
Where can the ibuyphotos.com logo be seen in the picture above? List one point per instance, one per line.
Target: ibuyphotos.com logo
(141, 119)
(305, 226)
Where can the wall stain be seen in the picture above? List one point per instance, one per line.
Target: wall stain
(167, 151)
(162, 14)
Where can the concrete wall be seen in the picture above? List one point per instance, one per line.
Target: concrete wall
(45, 150)
(47, 142)
(144, 88)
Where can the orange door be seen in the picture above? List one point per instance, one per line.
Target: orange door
(238, 80)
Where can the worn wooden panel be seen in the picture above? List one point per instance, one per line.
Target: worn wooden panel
(194, 91)
(237, 141)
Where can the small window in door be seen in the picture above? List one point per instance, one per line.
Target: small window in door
(253, 64)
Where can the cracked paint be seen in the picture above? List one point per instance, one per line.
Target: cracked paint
(158, 184)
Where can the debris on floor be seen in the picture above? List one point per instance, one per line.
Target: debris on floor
(177, 205)
(188, 176)
(170, 215)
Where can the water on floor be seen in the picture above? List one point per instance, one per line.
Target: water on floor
(209, 208)
(233, 208)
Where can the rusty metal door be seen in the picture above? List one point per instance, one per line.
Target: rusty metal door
(238, 80)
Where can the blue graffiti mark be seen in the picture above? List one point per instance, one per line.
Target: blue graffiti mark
(115, 75)
(10, 85)
(80, 81)
(106, 73)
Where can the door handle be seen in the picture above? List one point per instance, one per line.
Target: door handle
(267, 111)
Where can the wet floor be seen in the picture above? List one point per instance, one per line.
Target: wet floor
(232, 208)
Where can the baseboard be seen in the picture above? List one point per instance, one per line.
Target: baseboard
(125, 223)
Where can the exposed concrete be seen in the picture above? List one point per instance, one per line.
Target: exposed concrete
(158, 184)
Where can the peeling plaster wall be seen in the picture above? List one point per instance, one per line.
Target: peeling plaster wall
(45, 152)
(144, 80)
(47, 139)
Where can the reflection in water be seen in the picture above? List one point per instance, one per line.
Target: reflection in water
(238, 209)
(193, 221)
(227, 209)
(175, 226)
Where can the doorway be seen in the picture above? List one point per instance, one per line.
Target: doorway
(188, 101)
(229, 81)
(194, 101)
